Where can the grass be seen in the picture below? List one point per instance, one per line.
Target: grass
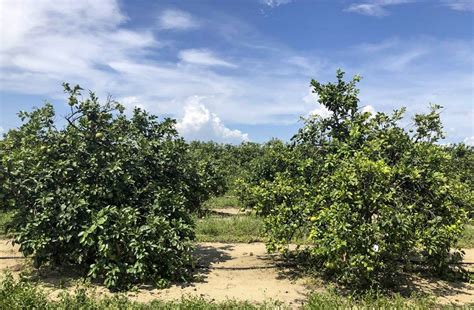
(222, 202)
(229, 229)
(467, 239)
(17, 294)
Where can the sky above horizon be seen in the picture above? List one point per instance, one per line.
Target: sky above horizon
(233, 71)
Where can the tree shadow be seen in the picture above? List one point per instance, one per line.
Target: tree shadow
(424, 283)
(418, 282)
(206, 255)
(65, 277)
(61, 277)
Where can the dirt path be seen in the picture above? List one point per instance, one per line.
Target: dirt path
(229, 211)
(7, 254)
(469, 256)
(239, 271)
(246, 272)
(236, 271)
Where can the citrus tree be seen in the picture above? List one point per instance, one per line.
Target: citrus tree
(367, 195)
(463, 165)
(207, 174)
(105, 192)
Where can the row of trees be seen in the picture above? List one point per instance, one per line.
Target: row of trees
(115, 194)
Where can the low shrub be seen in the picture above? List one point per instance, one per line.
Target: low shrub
(369, 195)
(106, 192)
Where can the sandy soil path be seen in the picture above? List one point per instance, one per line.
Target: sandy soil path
(236, 271)
(240, 271)
(246, 272)
(229, 211)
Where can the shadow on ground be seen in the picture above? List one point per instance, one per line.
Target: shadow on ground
(65, 277)
(417, 283)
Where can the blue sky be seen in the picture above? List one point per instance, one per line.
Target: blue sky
(232, 71)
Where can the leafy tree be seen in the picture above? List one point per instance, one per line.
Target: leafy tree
(275, 157)
(462, 166)
(224, 163)
(368, 195)
(207, 175)
(106, 192)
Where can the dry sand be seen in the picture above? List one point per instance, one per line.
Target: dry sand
(246, 272)
(240, 271)
(229, 211)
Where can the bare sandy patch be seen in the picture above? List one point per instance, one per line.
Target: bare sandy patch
(10, 257)
(229, 211)
(243, 272)
(239, 271)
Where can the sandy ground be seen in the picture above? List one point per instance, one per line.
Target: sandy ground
(227, 271)
(229, 211)
(238, 271)
(469, 257)
(246, 272)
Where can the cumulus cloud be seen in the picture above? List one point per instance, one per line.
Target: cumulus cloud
(177, 20)
(131, 102)
(368, 108)
(198, 123)
(45, 43)
(203, 57)
(66, 40)
(469, 141)
(321, 111)
(311, 99)
(20, 18)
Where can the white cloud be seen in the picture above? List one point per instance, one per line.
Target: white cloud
(45, 43)
(203, 57)
(177, 20)
(321, 111)
(469, 141)
(198, 123)
(275, 3)
(20, 18)
(400, 61)
(311, 99)
(1, 130)
(50, 42)
(379, 46)
(375, 7)
(368, 108)
(367, 9)
(378, 8)
(131, 102)
(460, 5)
(440, 73)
